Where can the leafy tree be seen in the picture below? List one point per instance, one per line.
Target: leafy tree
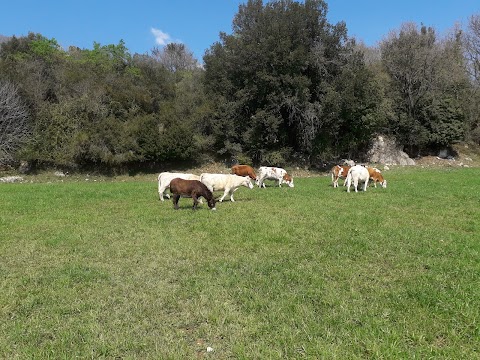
(44, 48)
(275, 79)
(426, 80)
(353, 113)
(107, 57)
(30, 62)
(104, 106)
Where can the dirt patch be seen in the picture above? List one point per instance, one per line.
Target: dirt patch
(466, 155)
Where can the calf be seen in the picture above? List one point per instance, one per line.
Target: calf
(191, 188)
(274, 173)
(376, 176)
(165, 178)
(244, 170)
(227, 182)
(339, 171)
(357, 174)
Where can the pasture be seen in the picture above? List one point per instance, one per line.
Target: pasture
(106, 270)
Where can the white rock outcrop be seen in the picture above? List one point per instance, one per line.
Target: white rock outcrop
(385, 151)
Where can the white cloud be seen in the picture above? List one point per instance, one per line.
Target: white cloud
(161, 38)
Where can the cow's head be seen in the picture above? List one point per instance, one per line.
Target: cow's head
(381, 179)
(211, 203)
(287, 179)
(247, 182)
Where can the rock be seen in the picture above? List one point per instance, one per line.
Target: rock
(24, 167)
(385, 151)
(443, 154)
(11, 179)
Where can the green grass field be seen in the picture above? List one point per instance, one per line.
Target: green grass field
(105, 270)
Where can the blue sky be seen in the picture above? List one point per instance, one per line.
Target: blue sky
(144, 24)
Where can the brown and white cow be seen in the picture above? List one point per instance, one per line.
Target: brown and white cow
(274, 173)
(376, 176)
(339, 172)
(244, 170)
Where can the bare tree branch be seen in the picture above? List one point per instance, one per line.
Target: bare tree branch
(14, 129)
(175, 57)
(472, 48)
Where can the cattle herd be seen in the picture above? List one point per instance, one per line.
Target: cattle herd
(203, 185)
(356, 174)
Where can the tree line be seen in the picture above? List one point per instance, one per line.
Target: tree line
(285, 87)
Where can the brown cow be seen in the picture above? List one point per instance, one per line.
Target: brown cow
(190, 188)
(376, 176)
(339, 171)
(244, 170)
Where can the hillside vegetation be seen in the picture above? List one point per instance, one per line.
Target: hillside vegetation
(286, 87)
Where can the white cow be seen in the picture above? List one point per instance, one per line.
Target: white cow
(273, 173)
(227, 182)
(164, 181)
(357, 173)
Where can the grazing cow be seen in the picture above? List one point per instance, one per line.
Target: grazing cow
(244, 170)
(274, 173)
(339, 172)
(227, 182)
(376, 176)
(190, 188)
(357, 173)
(164, 181)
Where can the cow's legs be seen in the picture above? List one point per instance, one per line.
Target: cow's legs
(224, 194)
(195, 201)
(161, 192)
(175, 199)
(260, 182)
(231, 194)
(366, 185)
